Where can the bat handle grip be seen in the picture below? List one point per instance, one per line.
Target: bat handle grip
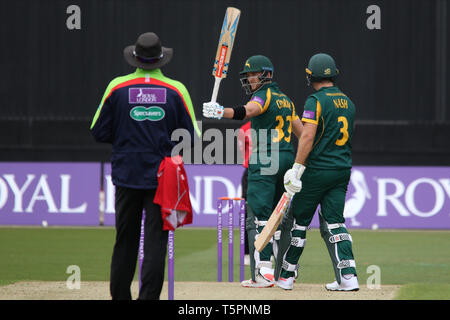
(216, 89)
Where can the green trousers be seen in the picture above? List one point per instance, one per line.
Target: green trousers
(265, 190)
(328, 189)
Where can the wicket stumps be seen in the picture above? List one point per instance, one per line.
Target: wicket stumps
(170, 276)
(230, 237)
(170, 260)
(141, 250)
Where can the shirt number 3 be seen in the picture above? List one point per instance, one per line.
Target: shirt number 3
(344, 130)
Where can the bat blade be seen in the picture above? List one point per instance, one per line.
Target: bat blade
(272, 224)
(226, 41)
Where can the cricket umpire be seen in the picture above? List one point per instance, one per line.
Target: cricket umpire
(137, 115)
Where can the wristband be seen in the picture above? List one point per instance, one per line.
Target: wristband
(239, 113)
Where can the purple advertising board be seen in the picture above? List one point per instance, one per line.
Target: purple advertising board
(206, 184)
(377, 197)
(68, 194)
(49, 193)
(398, 197)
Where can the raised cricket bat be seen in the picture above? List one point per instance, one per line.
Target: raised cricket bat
(223, 55)
(272, 224)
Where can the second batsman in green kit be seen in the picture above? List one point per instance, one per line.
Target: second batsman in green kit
(320, 176)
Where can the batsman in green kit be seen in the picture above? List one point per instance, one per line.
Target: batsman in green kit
(273, 121)
(320, 176)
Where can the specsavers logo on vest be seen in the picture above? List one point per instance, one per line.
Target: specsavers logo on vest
(141, 113)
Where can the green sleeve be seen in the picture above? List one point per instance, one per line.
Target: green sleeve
(262, 98)
(312, 110)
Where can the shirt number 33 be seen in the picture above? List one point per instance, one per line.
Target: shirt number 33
(280, 131)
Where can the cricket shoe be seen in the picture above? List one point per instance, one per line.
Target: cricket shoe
(346, 285)
(286, 284)
(259, 283)
(267, 273)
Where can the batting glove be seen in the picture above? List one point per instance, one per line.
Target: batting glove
(212, 110)
(292, 182)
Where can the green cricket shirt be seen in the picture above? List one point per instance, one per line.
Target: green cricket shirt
(333, 113)
(274, 124)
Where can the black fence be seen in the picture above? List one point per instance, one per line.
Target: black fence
(392, 55)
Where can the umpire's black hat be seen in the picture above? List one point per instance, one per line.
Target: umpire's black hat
(148, 53)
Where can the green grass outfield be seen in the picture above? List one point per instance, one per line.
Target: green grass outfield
(417, 260)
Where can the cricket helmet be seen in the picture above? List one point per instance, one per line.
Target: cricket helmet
(321, 66)
(256, 63)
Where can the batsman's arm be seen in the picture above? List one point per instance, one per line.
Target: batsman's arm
(251, 110)
(305, 142)
(297, 127)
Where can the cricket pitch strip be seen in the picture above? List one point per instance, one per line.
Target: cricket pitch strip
(99, 290)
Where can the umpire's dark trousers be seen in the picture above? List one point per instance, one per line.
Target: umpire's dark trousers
(129, 206)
